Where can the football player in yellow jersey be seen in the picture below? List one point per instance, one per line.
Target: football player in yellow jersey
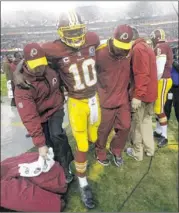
(164, 59)
(73, 57)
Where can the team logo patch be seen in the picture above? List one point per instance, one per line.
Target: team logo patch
(20, 105)
(92, 51)
(66, 60)
(124, 36)
(54, 81)
(33, 52)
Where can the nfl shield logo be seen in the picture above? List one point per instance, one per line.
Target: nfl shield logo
(66, 60)
(92, 51)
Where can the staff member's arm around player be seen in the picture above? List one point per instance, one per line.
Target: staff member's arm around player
(113, 68)
(41, 107)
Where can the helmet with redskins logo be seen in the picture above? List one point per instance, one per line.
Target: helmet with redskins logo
(71, 29)
(158, 36)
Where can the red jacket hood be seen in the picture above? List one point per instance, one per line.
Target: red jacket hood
(139, 40)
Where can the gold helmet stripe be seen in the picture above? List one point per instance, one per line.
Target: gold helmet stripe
(162, 33)
(73, 17)
(70, 18)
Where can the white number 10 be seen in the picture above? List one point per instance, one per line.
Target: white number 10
(85, 68)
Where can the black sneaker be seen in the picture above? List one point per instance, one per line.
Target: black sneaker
(27, 136)
(162, 142)
(87, 197)
(117, 160)
(105, 162)
(157, 135)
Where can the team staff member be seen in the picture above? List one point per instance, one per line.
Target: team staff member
(144, 95)
(113, 68)
(41, 107)
(17, 58)
(164, 59)
(7, 68)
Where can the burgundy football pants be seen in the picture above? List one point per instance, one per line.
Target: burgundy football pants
(120, 120)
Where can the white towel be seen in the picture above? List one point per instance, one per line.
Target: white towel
(36, 168)
(93, 105)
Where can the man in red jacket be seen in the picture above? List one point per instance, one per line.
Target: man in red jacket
(113, 68)
(41, 107)
(144, 95)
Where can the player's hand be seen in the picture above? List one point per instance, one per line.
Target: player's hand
(18, 77)
(136, 103)
(43, 151)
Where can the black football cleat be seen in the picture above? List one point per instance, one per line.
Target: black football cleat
(87, 197)
(117, 160)
(157, 135)
(162, 142)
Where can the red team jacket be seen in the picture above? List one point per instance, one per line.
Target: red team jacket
(37, 104)
(35, 194)
(145, 71)
(113, 78)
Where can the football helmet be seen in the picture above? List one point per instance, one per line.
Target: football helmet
(71, 29)
(157, 36)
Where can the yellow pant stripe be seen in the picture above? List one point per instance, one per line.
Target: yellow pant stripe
(164, 86)
(163, 94)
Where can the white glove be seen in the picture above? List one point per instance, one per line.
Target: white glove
(43, 151)
(136, 103)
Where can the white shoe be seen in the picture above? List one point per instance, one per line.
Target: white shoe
(130, 153)
(149, 154)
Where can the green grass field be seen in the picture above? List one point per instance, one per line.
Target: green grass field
(157, 192)
(3, 85)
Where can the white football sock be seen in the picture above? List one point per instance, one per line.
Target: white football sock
(164, 131)
(158, 128)
(83, 181)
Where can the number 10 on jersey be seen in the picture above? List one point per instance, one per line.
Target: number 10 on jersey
(79, 85)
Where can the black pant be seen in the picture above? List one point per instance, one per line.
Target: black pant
(13, 103)
(175, 102)
(57, 139)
